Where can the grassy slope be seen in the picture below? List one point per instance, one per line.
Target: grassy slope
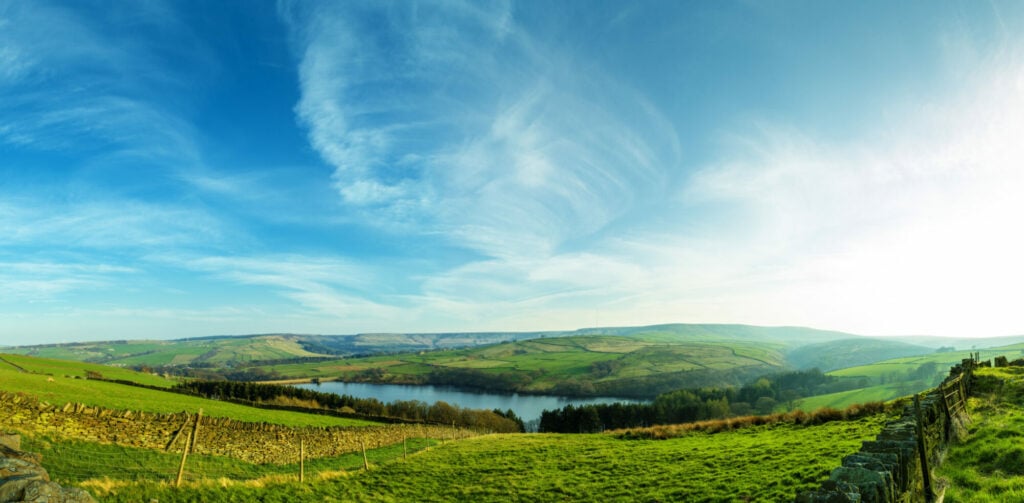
(638, 361)
(831, 355)
(90, 464)
(552, 360)
(220, 350)
(117, 396)
(942, 360)
(899, 366)
(878, 393)
(755, 464)
(269, 347)
(62, 368)
(989, 465)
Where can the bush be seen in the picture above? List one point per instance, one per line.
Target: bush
(826, 414)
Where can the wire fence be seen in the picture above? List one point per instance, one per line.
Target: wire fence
(74, 462)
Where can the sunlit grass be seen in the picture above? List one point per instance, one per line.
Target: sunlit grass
(58, 390)
(765, 463)
(989, 465)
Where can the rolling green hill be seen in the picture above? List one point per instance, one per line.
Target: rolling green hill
(639, 364)
(890, 379)
(836, 354)
(238, 350)
(217, 351)
(59, 382)
(611, 361)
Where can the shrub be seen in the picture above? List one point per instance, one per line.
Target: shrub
(826, 414)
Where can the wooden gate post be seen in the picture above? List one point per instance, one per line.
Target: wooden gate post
(929, 496)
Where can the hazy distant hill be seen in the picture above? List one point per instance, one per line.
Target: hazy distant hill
(610, 361)
(794, 336)
(958, 343)
(843, 353)
(232, 350)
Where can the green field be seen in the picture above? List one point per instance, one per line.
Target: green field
(770, 463)
(217, 351)
(899, 377)
(65, 368)
(879, 393)
(636, 362)
(989, 465)
(93, 465)
(52, 386)
(942, 361)
(591, 363)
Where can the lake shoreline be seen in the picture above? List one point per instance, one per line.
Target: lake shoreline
(465, 389)
(527, 406)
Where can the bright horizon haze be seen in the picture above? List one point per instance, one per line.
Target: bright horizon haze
(174, 169)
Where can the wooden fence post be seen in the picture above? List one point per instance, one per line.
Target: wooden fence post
(945, 409)
(195, 431)
(925, 473)
(302, 460)
(184, 456)
(963, 391)
(366, 464)
(184, 427)
(405, 448)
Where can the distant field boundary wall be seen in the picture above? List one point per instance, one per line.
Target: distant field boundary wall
(252, 442)
(896, 466)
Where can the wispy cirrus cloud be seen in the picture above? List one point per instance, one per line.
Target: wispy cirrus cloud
(324, 286)
(518, 154)
(104, 224)
(70, 82)
(44, 281)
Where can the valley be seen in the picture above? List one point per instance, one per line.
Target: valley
(81, 416)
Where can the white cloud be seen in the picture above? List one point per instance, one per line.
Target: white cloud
(104, 224)
(69, 83)
(324, 286)
(517, 155)
(45, 281)
(909, 228)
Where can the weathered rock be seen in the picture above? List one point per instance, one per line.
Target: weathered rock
(23, 479)
(875, 486)
(832, 492)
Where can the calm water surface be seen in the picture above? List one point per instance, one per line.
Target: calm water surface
(528, 407)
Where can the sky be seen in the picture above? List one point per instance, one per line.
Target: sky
(188, 168)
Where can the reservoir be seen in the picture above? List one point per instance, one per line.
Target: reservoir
(527, 407)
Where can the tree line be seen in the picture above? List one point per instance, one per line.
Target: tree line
(406, 410)
(760, 396)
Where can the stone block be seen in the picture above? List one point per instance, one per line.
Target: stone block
(874, 486)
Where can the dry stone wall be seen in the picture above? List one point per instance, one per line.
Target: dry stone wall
(890, 469)
(253, 442)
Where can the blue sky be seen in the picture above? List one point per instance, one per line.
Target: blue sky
(177, 169)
